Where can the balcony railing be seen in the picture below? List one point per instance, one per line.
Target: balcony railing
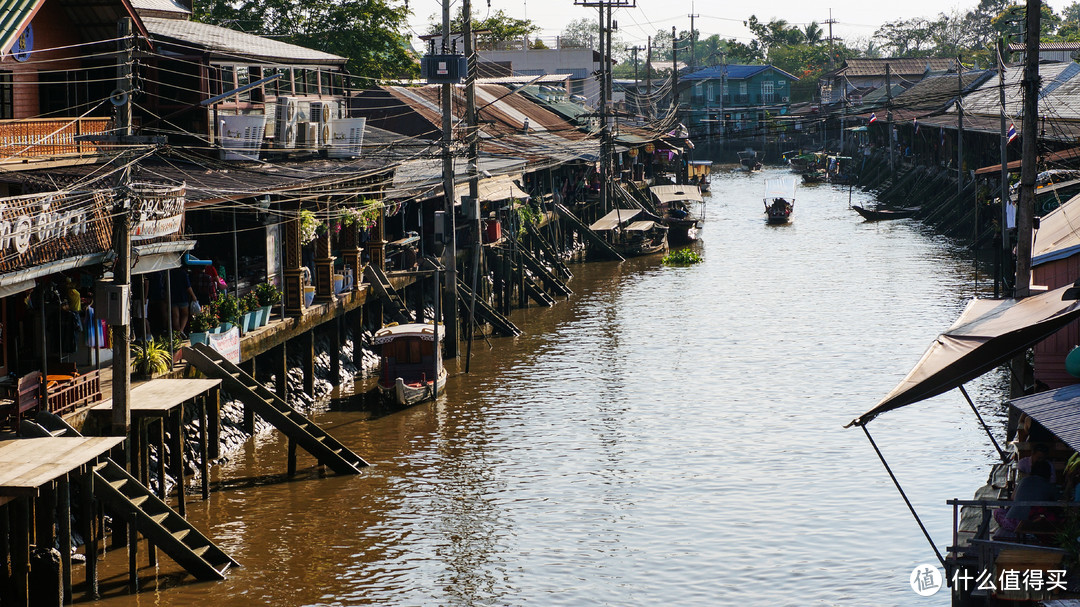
(23, 139)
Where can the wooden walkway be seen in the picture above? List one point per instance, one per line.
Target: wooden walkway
(27, 465)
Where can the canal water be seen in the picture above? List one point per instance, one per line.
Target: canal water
(667, 435)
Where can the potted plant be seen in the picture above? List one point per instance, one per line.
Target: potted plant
(203, 323)
(249, 311)
(228, 308)
(268, 295)
(150, 358)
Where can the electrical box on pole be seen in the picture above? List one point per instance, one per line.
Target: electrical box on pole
(444, 69)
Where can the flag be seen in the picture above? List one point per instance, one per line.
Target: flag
(915, 121)
(873, 118)
(1012, 134)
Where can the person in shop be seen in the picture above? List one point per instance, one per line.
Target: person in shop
(182, 296)
(206, 283)
(1035, 487)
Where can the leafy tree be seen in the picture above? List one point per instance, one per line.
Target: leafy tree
(586, 33)
(978, 23)
(1012, 21)
(910, 38)
(813, 34)
(367, 32)
(1070, 22)
(776, 32)
(499, 27)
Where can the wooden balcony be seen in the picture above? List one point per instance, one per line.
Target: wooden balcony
(47, 138)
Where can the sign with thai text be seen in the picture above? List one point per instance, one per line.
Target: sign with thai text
(158, 210)
(226, 344)
(40, 228)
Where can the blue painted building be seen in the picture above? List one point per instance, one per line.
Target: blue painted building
(735, 99)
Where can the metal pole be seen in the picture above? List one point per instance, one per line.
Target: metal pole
(888, 121)
(648, 74)
(959, 128)
(604, 202)
(1005, 195)
(1001, 453)
(450, 254)
(903, 495)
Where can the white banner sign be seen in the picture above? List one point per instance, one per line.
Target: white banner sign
(226, 344)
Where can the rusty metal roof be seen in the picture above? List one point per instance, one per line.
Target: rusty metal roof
(1057, 410)
(899, 66)
(225, 44)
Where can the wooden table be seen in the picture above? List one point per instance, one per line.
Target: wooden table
(28, 464)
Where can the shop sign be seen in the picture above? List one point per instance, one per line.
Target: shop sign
(47, 227)
(159, 210)
(226, 344)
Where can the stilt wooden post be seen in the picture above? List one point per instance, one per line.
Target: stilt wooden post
(307, 342)
(133, 552)
(177, 431)
(213, 400)
(292, 457)
(20, 550)
(5, 552)
(335, 352)
(63, 517)
(87, 515)
(281, 372)
(204, 449)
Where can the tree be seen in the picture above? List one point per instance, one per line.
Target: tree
(1012, 21)
(500, 27)
(910, 38)
(1070, 22)
(585, 32)
(978, 23)
(813, 34)
(366, 32)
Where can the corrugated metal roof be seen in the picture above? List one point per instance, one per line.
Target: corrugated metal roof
(1059, 98)
(1057, 410)
(899, 66)
(164, 6)
(227, 44)
(1018, 47)
(14, 16)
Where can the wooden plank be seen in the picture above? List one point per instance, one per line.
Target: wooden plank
(27, 464)
(159, 396)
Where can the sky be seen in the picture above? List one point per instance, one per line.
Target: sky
(856, 19)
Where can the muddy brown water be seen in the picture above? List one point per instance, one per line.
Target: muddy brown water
(665, 435)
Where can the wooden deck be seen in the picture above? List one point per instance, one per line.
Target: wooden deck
(28, 464)
(157, 397)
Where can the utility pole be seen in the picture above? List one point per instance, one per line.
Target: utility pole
(888, 121)
(637, 91)
(121, 362)
(830, 21)
(450, 299)
(1025, 208)
(693, 40)
(648, 74)
(959, 127)
(723, 74)
(674, 73)
(473, 167)
(1005, 252)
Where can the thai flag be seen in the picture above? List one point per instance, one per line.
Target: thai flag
(915, 121)
(873, 118)
(1011, 134)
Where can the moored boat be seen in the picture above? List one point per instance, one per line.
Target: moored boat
(749, 160)
(633, 232)
(882, 214)
(412, 368)
(682, 209)
(779, 199)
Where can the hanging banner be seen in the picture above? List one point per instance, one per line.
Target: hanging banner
(226, 344)
(41, 228)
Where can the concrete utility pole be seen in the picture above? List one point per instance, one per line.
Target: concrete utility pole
(648, 74)
(1025, 208)
(830, 21)
(121, 363)
(959, 127)
(450, 299)
(888, 121)
(637, 91)
(1005, 253)
(693, 40)
(674, 72)
(723, 85)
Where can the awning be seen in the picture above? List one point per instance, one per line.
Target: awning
(988, 333)
(160, 256)
(1015, 164)
(669, 193)
(493, 189)
(614, 219)
(1057, 410)
(640, 226)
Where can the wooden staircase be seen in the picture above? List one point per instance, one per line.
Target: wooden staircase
(484, 310)
(394, 305)
(159, 523)
(313, 439)
(588, 234)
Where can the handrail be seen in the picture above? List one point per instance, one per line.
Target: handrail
(35, 138)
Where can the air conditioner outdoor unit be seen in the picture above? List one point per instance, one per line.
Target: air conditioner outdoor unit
(785, 99)
(347, 138)
(241, 136)
(308, 135)
(285, 133)
(323, 113)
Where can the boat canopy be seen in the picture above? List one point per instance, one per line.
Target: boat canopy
(780, 187)
(668, 193)
(614, 219)
(988, 333)
(640, 226)
(1057, 410)
(415, 330)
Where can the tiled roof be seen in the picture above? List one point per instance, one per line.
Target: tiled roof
(733, 72)
(227, 43)
(14, 16)
(901, 66)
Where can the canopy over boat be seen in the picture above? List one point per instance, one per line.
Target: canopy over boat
(669, 193)
(988, 333)
(780, 187)
(614, 219)
(415, 330)
(640, 226)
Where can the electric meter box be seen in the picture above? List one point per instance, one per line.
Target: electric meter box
(444, 69)
(111, 303)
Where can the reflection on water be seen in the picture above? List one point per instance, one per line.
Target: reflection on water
(666, 435)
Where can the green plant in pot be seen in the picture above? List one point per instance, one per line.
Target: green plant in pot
(249, 303)
(151, 357)
(268, 294)
(228, 308)
(204, 321)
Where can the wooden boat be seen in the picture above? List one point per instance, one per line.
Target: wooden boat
(682, 209)
(633, 232)
(749, 160)
(815, 176)
(409, 359)
(779, 199)
(698, 173)
(881, 214)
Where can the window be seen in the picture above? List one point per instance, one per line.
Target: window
(7, 96)
(767, 91)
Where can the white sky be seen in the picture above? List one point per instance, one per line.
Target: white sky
(856, 19)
